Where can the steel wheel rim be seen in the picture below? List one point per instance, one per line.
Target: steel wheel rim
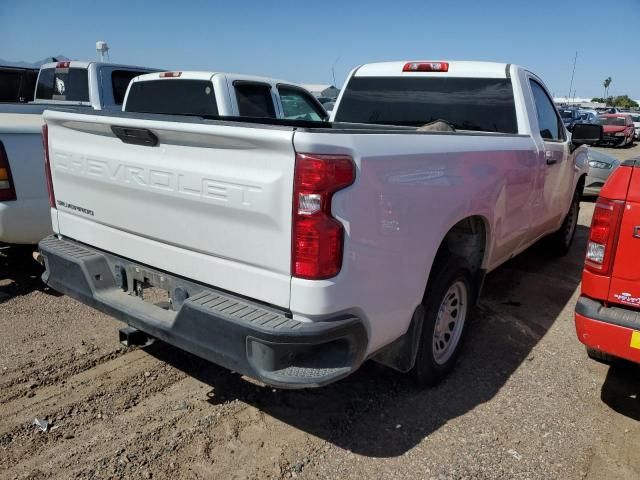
(572, 221)
(449, 322)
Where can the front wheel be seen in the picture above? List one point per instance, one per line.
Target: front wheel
(446, 302)
(560, 242)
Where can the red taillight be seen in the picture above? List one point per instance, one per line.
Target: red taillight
(603, 236)
(63, 64)
(426, 67)
(170, 74)
(317, 237)
(47, 165)
(7, 189)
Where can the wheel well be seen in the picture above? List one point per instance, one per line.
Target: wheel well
(466, 239)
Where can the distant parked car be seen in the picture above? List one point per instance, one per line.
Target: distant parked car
(635, 118)
(570, 116)
(618, 129)
(608, 311)
(588, 116)
(324, 100)
(601, 165)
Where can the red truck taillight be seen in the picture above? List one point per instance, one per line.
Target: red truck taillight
(317, 237)
(603, 236)
(47, 166)
(7, 188)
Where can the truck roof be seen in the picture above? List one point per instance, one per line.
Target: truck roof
(79, 64)
(456, 69)
(207, 75)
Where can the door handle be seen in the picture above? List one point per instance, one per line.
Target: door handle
(548, 156)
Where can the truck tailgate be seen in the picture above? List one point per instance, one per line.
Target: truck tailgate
(625, 278)
(210, 201)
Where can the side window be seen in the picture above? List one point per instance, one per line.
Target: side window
(254, 100)
(120, 80)
(299, 105)
(548, 121)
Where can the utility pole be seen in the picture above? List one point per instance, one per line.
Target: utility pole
(575, 59)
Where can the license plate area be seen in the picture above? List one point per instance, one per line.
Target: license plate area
(149, 286)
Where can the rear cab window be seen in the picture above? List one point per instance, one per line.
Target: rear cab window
(172, 97)
(299, 105)
(254, 99)
(478, 104)
(70, 84)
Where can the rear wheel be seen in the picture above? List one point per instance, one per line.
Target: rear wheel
(560, 242)
(446, 302)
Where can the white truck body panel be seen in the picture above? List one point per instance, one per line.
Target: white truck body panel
(224, 199)
(26, 219)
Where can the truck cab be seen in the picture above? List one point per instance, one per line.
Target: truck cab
(218, 94)
(101, 86)
(608, 312)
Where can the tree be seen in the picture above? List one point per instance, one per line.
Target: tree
(606, 83)
(624, 101)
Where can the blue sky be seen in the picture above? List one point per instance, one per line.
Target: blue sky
(300, 41)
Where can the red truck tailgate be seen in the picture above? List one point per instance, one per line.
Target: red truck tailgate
(625, 278)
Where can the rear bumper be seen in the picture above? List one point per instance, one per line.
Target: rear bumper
(612, 330)
(239, 334)
(24, 221)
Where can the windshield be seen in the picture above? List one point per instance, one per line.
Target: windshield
(481, 104)
(566, 114)
(617, 121)
(635, 118)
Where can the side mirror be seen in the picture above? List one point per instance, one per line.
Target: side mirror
(585, 134)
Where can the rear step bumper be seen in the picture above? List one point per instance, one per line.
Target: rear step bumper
(611, 330)
(242, 335)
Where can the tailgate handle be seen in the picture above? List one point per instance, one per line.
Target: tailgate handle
(135, 136)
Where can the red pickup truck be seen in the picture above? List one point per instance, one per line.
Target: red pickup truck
(608, 311)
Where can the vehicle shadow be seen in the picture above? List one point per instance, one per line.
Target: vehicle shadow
(379, 413)
(19, 273)
(621, 389)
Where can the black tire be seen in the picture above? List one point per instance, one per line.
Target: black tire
(599, 356)
(450, 272)
(560, 242)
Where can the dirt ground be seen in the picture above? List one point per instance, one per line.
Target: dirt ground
(524, 401)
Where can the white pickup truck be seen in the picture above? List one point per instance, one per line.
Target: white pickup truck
(221, 94)
(293, 251)
(24, 211)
